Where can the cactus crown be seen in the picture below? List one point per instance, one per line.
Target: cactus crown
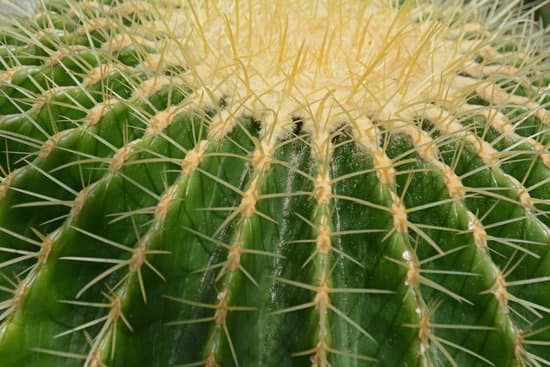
(274, 183)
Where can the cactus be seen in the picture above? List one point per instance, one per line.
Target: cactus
(275, 183)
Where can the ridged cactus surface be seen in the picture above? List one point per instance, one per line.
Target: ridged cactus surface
(275, 183)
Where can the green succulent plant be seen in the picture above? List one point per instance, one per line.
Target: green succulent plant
(274, 183)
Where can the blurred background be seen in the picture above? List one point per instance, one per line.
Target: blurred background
(16, 7)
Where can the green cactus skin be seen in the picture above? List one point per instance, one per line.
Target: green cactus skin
(286, 183)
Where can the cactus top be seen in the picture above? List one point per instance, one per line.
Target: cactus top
(326, 63)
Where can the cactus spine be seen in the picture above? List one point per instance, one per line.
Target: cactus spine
(284, 183)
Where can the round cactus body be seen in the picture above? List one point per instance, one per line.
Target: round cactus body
(275, 183)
